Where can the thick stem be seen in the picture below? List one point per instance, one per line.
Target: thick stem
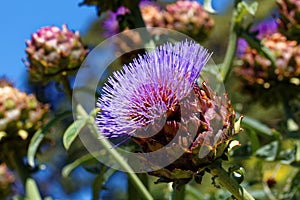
(231, 48)
(139, 186)
(178, 194)
(17, 163)
(229, 183)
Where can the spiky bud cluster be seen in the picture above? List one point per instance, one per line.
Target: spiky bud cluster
(53, 51)
(213, 122)
(289, 18)
(20, 114)
(258, 74)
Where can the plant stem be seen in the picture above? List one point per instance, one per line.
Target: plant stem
(28, 182)
(67, 87)
(178, 194)
(229, 183)
(287, 109)
(139, 186)
(231, 48)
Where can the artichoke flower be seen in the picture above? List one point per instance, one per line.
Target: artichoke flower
(156, 101)
(52, 52)
(289, 18)
(21, 115)
(261, 79)
(190, 18)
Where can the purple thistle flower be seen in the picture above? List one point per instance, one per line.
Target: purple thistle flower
(149, 87)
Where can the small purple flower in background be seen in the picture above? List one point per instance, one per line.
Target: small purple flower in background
(265, 28)
(111, 24)
(149, 87)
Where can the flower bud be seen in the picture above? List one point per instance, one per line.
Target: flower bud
(52, 51)
(266, 82)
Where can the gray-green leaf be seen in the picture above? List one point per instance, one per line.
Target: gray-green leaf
(72, 132)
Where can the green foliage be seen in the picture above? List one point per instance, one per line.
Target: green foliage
(244, 8)
(73, 131)
(39, 136)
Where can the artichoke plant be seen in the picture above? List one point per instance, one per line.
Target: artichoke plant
(289, 18)
(164, 98)
(260, 78)
(21, 115)
(53, 52)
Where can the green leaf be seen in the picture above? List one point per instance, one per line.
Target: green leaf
(17, 197)
(269, 151)
(294, 188)
(244, 8)
(72, 132)
(32, 191)
(207, 5)
(257, 126)
(70, 167)
(40, 134)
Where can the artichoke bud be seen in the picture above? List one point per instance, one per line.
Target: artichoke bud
(21, 113)
(52, 50)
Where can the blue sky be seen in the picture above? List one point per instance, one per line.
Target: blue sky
(19, 19)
